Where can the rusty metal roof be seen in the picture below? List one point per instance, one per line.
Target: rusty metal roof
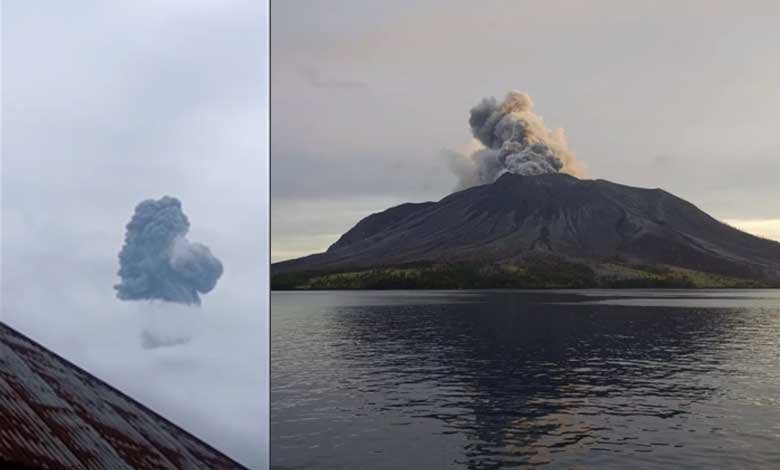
(55, 415)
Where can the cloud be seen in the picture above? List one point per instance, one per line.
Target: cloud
(151, 340)
(663, 160)
(314, 78)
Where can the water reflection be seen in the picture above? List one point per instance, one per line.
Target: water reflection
(503, 379)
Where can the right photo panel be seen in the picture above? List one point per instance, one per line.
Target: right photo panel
(524, 234)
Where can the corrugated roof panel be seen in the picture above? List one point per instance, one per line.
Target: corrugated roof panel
(55, 415)
(96, 412)
(172, 448)
(20, 424)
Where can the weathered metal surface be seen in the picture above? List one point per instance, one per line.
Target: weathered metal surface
(54, 415)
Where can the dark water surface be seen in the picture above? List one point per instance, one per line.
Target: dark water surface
(516, 379)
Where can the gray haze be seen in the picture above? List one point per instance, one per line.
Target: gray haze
(157, 262)
(679, 95)
(106, 104)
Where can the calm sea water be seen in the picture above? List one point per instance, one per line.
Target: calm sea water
(517, 379)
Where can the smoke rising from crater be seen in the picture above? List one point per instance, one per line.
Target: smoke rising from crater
(511, 138)
(157, 262)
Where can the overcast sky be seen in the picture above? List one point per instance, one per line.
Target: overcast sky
(106, 104)
(366, 95)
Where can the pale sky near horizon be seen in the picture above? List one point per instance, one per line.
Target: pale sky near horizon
(365, 95)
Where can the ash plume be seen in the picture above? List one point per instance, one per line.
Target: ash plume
(157, 262)
(511, 138)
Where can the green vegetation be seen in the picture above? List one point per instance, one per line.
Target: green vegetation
(532, 274)
(633, 276)
(446, 276)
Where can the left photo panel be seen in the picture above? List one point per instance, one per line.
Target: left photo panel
(134, 255)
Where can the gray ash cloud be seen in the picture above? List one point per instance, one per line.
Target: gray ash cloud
(511, 138)
(157, 262)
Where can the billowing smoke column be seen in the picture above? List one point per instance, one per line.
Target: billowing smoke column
(157, 262)
(513, 140)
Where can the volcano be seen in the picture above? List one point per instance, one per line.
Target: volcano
(529, 229)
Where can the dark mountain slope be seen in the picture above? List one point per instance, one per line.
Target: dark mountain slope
(553, 215)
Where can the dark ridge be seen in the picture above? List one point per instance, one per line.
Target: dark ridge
(588, 221)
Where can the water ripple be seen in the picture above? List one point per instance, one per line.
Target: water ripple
(525, 379)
